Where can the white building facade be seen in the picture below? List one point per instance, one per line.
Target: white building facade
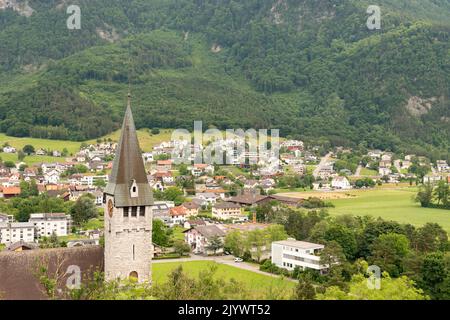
(291, 253)
(48, 223)
(16, 231)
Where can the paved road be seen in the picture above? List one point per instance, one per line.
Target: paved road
(323, 162)
(228, 260)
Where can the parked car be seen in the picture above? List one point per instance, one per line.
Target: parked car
(238, 260)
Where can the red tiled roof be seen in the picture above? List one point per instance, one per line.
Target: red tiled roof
(11, 190)
(178, 211)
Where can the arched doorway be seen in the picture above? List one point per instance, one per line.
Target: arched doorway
(134, 275)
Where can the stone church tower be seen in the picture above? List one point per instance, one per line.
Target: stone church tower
(128, 214)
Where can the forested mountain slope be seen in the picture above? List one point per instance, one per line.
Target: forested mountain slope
(309, 68)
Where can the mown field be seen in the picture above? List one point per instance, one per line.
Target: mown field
(146, 141)
(388, 202)
(260, 285)
(391, 204)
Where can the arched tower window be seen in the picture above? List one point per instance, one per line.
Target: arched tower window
(134, 275)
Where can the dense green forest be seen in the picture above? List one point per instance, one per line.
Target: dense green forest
(309, 68)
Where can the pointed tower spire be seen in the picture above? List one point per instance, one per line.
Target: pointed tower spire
(128, 180)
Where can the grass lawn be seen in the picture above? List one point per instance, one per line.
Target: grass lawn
(30, 160)
(391, 204)
(71, 237)
(146, 139)
(94, 224)
(368, 172)
(259, 284)
(19, 143)
(178, 233)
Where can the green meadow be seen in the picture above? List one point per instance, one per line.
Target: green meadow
(391, 204)
(258, 284)
(146, 141)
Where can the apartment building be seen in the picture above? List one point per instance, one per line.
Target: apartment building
(291, 253)
(48, 223)
(16, 231)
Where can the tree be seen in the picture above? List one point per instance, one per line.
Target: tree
(215, 243)
(425, 195)
(9, 164)
(388, 252)
(305, 289)
(83, 210)
(21, 155)
(345, 237)
(181, 247)
(391, 289)
(431, 237)
(100, 183)
(433, 274)
(234, 243)
(333, 257)
(183, 170)
(171, 194)
(442, 193)
(28, 149)
(160, 235)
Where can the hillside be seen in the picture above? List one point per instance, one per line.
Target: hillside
(309, 68)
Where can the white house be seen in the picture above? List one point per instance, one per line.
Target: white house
(291, 253)
(52, 176)
(91, 180)
(207, 197)
(384, 171)
(199, 238)
(340, 183)
(9, 149)
(48, 223)
(15, 232)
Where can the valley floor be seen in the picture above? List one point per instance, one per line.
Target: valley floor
(390, 203)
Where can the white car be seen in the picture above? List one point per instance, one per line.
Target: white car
(238, 260)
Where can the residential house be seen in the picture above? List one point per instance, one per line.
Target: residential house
(291, 253)
(249, 200)
(52, 176)
(442, 166)
(9, 192)
(207, 198)
(178, 215)
(160, 211)
(432, 178)
(193, 223)
(48, 223)
(340, 183)
(165, 176)
(21, 245)
(164, 165)
(199, 238)
(382, 171)
(227, 210)
(9, 149)
(12, 232)
(192, 208)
